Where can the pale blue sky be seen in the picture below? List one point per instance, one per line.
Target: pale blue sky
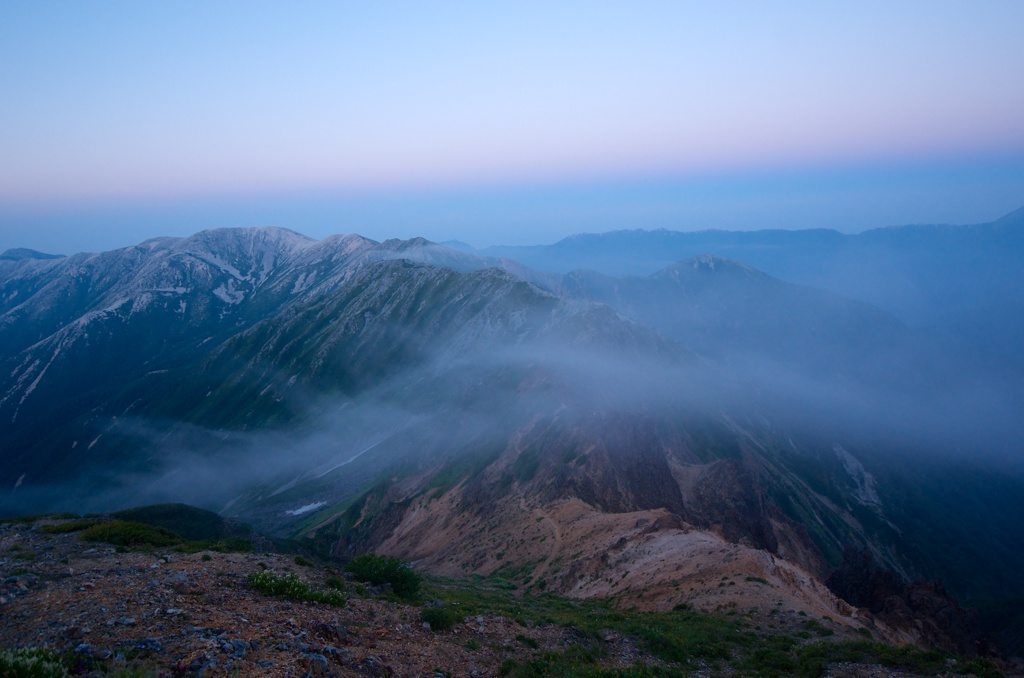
(500, 124)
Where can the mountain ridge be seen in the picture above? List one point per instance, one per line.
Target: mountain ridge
(350, 392)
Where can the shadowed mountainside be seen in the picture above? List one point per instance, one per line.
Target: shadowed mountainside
(406, 397)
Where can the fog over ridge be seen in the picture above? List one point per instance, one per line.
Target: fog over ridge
(291, 382)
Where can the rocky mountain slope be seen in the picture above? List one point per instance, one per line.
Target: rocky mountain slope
(86, 606)
(479, 420)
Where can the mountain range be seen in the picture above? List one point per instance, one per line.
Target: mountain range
(965, 282)
(609, 432)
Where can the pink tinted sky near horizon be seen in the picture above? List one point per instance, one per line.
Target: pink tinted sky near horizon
(115, 102)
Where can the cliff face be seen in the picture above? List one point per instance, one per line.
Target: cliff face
(922, 609)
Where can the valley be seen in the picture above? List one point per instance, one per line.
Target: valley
(708, 436)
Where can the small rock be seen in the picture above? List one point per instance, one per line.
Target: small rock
(83, 648)
(319, 660)
(426, 626)
(153, 644)
(179, 582)
(333, 632)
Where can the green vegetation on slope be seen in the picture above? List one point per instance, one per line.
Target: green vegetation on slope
(187, 528)
(291, 587)
(684, 638)
(379, 570)
(190, 522)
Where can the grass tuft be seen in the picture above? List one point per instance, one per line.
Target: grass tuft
(32, 662)
(440, 618)
(291, 587)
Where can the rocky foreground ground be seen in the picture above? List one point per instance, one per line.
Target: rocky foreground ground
(169, 613)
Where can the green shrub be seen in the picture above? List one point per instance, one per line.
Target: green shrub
(129, 534)
(31, 662)
(575, 662)
(290, 586)
(190, 522)
(439, 618)
(527, 641)
(303, 562)
(379, 570)
(36, 517)
(63, 528)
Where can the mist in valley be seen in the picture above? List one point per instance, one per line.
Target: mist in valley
(892, 406)
(328, 390)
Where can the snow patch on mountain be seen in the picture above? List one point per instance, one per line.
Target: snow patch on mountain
(228, 293)
(303, 282)
(215, 261)
(867, 492)
(35, 382)
(306, 509)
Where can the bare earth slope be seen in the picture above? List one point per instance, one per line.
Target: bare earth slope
(167, 613)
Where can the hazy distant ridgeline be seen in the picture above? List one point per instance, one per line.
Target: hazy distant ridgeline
(964, 280)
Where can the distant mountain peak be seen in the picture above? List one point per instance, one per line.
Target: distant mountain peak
(1014, 219)
(22, 253)
(459, 245)
(412, 243)
(710, 261)
(274, 234)
(616, 233)
(711, 264)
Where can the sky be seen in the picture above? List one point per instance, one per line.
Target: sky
(506, 123)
